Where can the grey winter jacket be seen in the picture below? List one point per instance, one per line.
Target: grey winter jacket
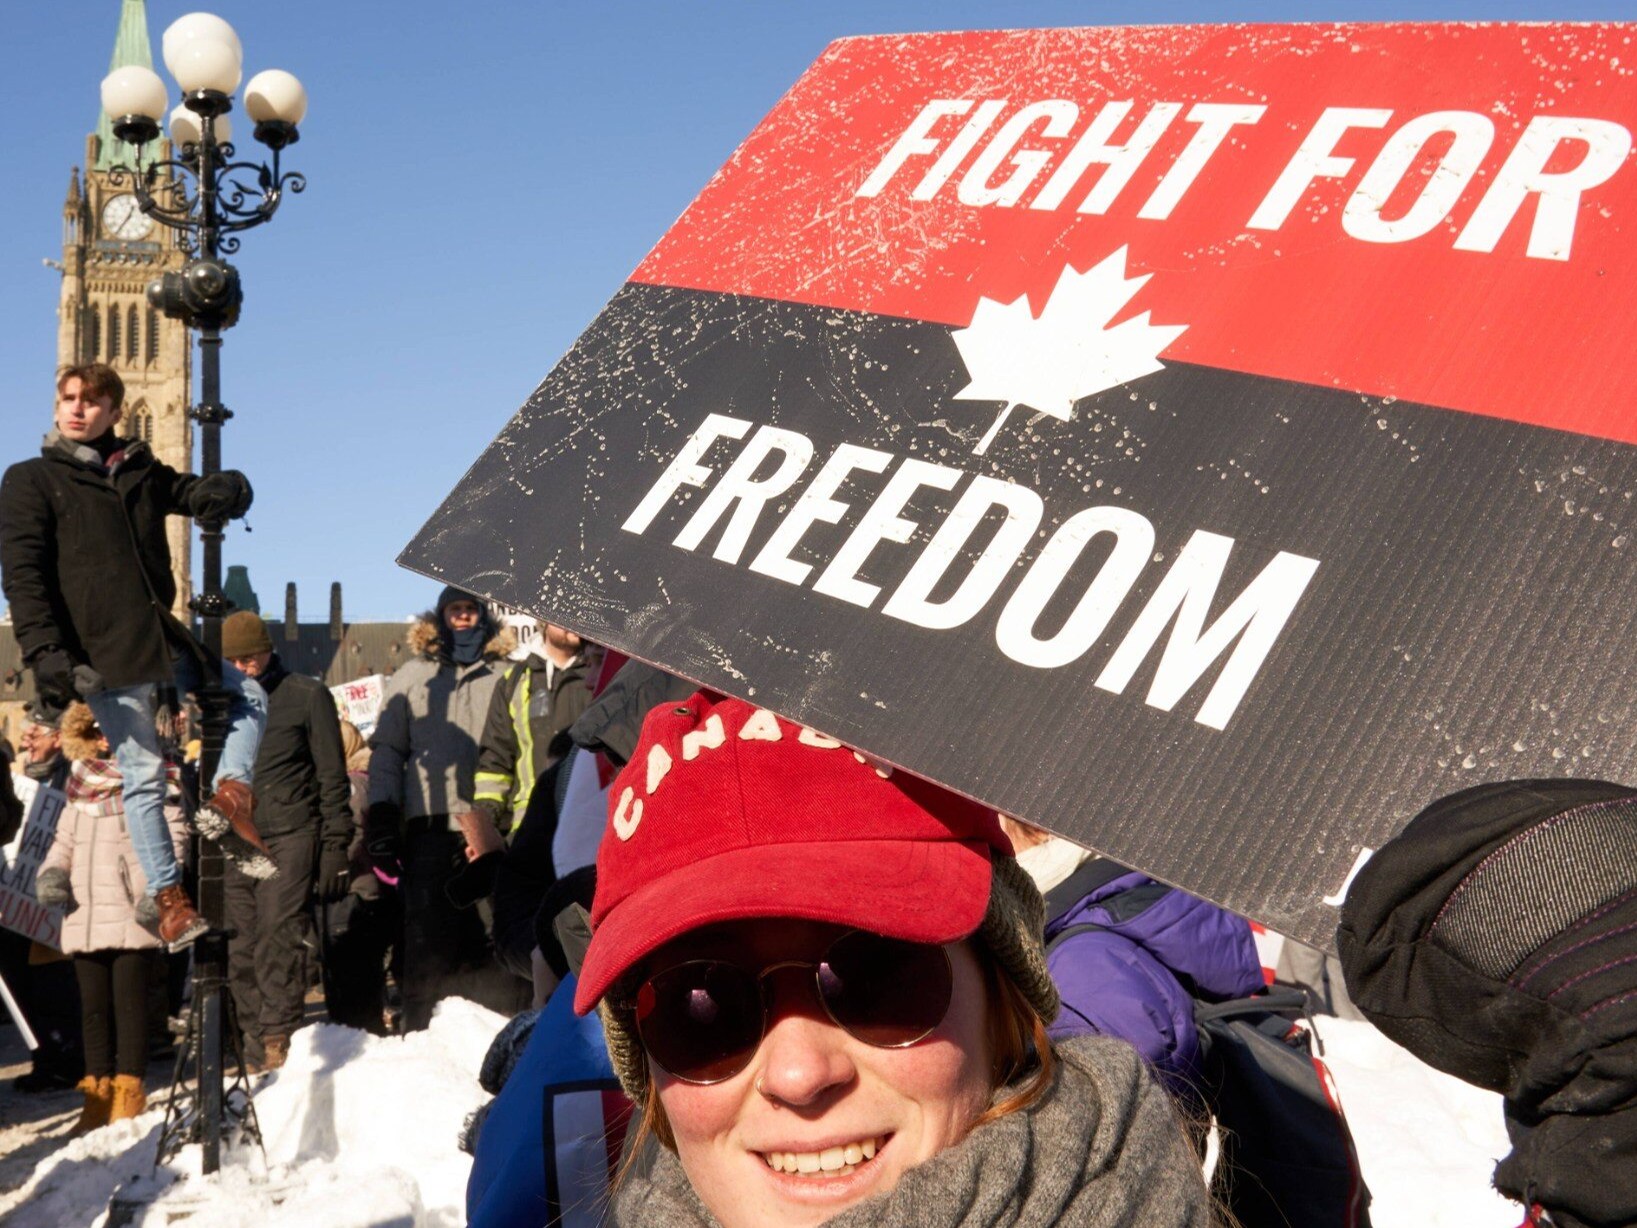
(425, 745)
(93, 845)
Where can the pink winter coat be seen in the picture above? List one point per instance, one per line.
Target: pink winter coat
(94, 847)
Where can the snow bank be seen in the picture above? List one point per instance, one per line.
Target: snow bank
(361, 1131)
(1427, 1142)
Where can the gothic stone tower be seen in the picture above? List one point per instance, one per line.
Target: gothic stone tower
(111, 251)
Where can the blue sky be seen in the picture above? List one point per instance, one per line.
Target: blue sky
(483, 176)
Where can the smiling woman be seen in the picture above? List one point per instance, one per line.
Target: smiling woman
(824, 983)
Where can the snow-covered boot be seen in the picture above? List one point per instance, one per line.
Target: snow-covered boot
(229, 819)
(99, 1103)
(179, 921)
(129, 1098)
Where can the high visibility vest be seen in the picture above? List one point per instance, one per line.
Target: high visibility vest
(498, 787)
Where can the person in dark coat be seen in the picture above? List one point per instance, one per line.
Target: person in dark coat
(87, 571)
(525, 737)
(304, 804)
(359, 929)
(526, 730)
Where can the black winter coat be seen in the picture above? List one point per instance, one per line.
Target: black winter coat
(86, 562)
(516, 747)
(301, 771)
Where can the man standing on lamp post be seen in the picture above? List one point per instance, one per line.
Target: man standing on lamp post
(87, 571)
(304, 813)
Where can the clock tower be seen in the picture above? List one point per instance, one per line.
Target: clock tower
(111, 251)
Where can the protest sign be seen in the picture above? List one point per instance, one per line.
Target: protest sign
(20, 862)
(1211, 443)
(359, 701)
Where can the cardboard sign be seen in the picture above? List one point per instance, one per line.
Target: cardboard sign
(20, 862)
(525, 629)
(1213, 444)
(359, 701)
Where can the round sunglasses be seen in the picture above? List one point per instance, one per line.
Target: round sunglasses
(702, 1021)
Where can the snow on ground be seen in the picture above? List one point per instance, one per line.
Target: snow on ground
(1427, 1142)
(360, 1133)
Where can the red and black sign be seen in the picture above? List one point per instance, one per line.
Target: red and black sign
(1211, 443)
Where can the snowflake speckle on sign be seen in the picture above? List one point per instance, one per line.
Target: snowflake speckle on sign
(1068, 352)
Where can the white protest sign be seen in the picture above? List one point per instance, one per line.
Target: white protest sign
(20, 862)
(359, 701)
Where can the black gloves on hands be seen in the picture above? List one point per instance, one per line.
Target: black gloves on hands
(334, 875)
(54, 676)
(222, 496)
(384, 839)
(52, 889)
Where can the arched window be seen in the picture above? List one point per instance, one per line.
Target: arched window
(113, 334)
(132, 331)
(93, 334)
(153, 335)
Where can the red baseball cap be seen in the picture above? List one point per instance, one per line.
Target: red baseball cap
(727, 812)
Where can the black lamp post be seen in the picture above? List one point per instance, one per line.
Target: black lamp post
(206, 197)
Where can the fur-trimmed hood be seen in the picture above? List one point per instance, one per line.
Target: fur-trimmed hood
(80, 733)
(423, 639)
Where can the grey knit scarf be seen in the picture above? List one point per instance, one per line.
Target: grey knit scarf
(1102, 1149)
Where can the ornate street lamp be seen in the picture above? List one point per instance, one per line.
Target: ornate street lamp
(207, 198)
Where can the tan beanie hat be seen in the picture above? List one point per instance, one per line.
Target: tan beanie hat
(244, 635)
(1013, 932)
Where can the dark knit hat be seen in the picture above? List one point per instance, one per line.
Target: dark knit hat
(244, 634)
(451, 594)
(42, 711)
(1496, 939)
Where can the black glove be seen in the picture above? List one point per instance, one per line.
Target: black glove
(52, 889)
(54, 676)
(87, 682)
(334, 875)
(222, 496)
(384, 839)
(473, 880)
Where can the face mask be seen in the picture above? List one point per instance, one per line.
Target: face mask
(466, 646)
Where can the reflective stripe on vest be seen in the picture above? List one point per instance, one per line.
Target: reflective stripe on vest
(497, 787)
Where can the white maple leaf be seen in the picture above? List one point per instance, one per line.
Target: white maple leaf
(1068, 352)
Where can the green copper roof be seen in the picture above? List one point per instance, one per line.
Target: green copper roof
(130, 47)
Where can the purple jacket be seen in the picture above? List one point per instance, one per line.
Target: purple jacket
(1137, 977)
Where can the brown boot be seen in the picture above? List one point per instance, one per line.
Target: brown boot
(99, 1103)
(275, 1050)
(229, 819)
(129, 1098)
(179, 921)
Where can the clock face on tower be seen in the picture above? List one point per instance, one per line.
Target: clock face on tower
(122, 218)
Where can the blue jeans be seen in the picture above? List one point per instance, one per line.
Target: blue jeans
(126, 718)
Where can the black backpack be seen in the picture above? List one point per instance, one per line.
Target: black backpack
(1287, 1157)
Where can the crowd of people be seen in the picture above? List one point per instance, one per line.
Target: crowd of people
(821, 989)
(366, 870)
